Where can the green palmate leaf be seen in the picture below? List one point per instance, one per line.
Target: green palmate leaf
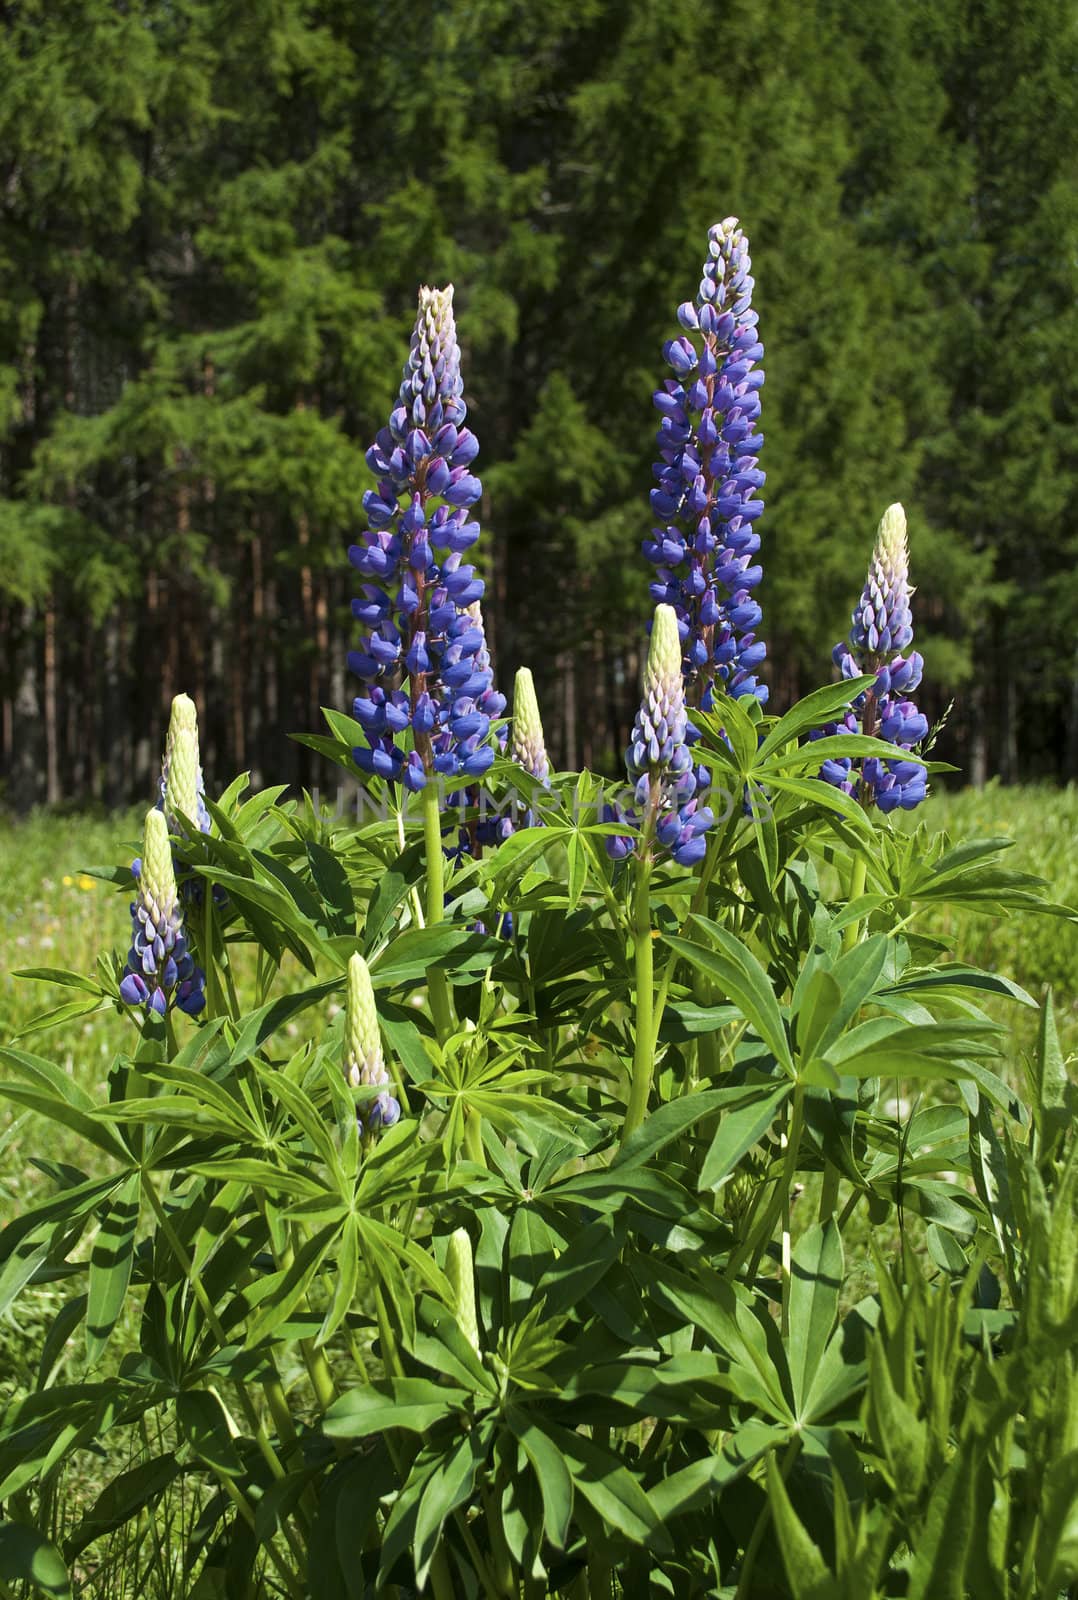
(50, 1090)
(1052, 1084)
(110, 1265)
(666, 1124)
(818, 794)
(391, 888)
(941, 1547)
(742, 979)
(408, 957)
(810, 713)
(609, 1488)
(449, 1485)
(885, 1047)
(26, 1556)
(815, 1285)
(347, 1263)
(552, 1474)
(291, 1285)
(806, 1570)
(857, 746)
(739, 1129)
(332, 883)
(204, 1428)
(414, 1404)
(263, 1023)
(123, 1499)
(819, 1004)
(716, 1309)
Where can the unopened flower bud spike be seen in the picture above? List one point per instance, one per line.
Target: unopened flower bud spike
(364, 1060)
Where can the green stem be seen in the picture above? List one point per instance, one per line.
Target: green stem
(848, 1209)
(644, 957)
(290, 1579)
(789, 1172)
(716, 849)
(858, 879)
(437, 984)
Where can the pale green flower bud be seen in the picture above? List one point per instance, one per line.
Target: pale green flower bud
(460, 1270)
(528, 748)
(181, 772)
(363, 1058)
(158, 880)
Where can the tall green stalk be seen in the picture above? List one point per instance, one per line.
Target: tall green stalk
(644, 962)
(437, 985)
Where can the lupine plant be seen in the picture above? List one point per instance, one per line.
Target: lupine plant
(631, 1200)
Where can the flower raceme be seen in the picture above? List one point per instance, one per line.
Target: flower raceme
(659, 760)
(182, 787)
(708, 475)
(880, 636)
(527, 745)
(159, 971)
(364, 1062)
(422, 659)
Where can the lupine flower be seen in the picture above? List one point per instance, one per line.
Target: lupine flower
(421, 656)
(658, 758)
(708, 475)
(527, 746)
(882, 629)
(182, 787)
(364, 1063)
(159, 970)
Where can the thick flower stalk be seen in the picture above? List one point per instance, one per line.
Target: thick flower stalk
(159, 971)
(708, 475)
(666, 807)
(422, 657)
(364, 1062)
(182, 787)
(880, 636)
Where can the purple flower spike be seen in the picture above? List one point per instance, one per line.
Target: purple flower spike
(159, 970)
(659, 762)
(882, 629)
(708, 477)
(421, 657)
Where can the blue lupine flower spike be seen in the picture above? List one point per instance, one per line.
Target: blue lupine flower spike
(708, 477)
(159, 973)
(659, 761)
(364, 1062)
(879, 641)
(420, 656)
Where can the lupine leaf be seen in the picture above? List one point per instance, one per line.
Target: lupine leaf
(414, 1404)
(739, 1129)
(815, 1285)
(110, 1265)
(26, 1556)
(806, 1570)
(743, 980)
(553, 1476)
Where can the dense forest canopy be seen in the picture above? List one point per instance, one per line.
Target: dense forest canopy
(216, 214)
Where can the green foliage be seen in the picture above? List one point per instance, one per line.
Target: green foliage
(507, 1347)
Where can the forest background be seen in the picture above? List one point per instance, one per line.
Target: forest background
(214, 215)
